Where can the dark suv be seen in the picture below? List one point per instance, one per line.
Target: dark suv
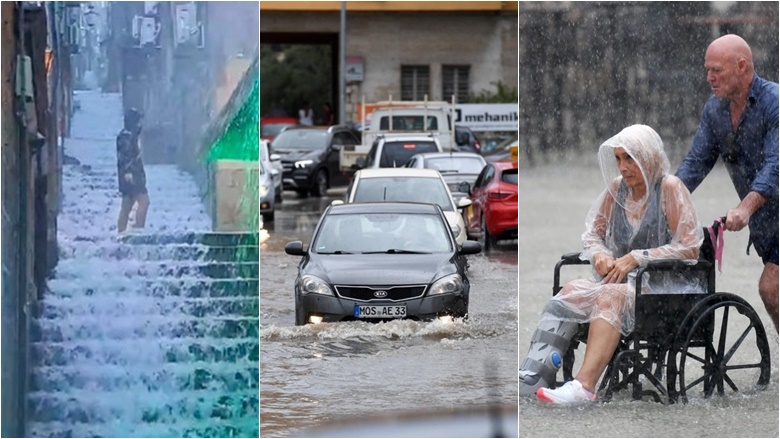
(310, 157)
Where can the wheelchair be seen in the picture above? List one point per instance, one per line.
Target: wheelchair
(683, 344)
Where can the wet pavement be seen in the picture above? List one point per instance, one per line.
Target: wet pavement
(317, 374)
(152, 335)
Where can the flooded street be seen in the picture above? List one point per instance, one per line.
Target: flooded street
(316, 374)
(553, 204)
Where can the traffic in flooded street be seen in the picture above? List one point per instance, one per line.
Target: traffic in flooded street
(317, 374)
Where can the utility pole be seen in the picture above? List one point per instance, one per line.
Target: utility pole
(343, 65)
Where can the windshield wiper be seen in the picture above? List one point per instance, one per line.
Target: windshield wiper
(337, 252)
(397, 251)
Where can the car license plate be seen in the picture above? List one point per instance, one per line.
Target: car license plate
(380, 311)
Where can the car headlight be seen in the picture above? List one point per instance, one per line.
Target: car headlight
(448, 285)
(300, 164)
(313, 285)
(455, 229)
(263, 189)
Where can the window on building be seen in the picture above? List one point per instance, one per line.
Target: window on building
(415, 82)
(455, 81)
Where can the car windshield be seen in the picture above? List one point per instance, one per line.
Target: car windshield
(455, 165)
(411, 189)
(396, 154)
(300, 139)
(382, 233)
(272, 129)
(509, 176)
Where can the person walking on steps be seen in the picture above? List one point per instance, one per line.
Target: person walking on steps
(130, 172)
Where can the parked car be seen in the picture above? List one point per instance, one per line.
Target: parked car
(381, 261)
(493, 213)
(270, 127)
(273, 164)
(394, 150)
(411, 185)
(265, 189)
(310, 157)
(466, 140)
(459, 169)
(501, 151)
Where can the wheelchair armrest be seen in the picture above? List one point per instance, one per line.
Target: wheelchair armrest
(573, 258)
(566, 259)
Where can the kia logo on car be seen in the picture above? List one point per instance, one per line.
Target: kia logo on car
(380, 294)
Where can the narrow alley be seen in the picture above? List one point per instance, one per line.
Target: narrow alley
(152, 334)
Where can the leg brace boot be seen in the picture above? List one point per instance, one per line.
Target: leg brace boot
(548, 344)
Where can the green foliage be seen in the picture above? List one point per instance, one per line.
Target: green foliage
(503, 94)
(292, 74)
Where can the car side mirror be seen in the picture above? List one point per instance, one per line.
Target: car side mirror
(295, 248)
(464, 202)
(360, 162)
(464, 187)
(470, 248)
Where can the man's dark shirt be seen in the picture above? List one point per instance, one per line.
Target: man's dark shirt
(750, 152)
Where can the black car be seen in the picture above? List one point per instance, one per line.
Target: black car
(310, 157)
(381, 261)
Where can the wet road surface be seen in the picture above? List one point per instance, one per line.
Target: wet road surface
(316, 374)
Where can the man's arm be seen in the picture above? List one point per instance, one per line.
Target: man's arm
(702, 156)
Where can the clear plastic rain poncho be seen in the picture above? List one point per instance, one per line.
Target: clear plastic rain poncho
(660, 223)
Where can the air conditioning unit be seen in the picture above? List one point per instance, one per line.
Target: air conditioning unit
(24, 79)
(145, 30)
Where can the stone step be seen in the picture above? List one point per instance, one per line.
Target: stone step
(116, 330)
(155, 270)
(185, 287)
(213, 376)
(66, 308)
(153, 252)
(100, 406)
(243, 426)
(205, 238)
(183, 350)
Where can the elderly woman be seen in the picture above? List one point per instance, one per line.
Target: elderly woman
(644, 214)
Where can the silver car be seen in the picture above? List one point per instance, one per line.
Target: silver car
(273, 165)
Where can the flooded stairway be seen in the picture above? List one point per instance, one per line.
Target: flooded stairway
(147, 335)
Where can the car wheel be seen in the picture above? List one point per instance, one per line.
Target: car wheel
(268, 217)
(320, 186)
(303, 193)
(278, 196)
(488, 241)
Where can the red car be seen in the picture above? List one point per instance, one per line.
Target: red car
(493, 212)
(271, 126)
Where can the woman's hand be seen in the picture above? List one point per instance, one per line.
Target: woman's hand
(620, 269)
(603, 263)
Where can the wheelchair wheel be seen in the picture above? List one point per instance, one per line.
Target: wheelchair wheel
(721, 345)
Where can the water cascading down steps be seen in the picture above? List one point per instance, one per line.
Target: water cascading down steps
(147, 335)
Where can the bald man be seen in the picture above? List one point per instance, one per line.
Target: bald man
(739, 124)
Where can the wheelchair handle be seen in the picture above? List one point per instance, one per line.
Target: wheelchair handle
(721, 221)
